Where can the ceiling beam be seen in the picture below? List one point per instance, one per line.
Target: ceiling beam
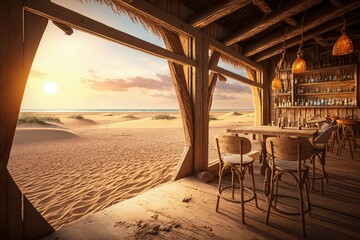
(210, 15)
(325, 15)
(262, 5)
(337, 3)
(291, 21)
(266, 9)
(321, 41)
(288, 11)
(235, 76)
(296, 40)
(75, 20)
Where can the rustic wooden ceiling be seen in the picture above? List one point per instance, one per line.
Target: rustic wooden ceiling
(257, 27)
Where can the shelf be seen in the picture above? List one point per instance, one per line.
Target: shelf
(325, 83)
(330, 93)
(296, 107)
(325, 69)
(283, 94)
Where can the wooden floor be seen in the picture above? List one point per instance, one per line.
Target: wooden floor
(161, 213)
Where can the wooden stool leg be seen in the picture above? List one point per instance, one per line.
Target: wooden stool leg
(242, 198)
(251, 170)
(302, 217)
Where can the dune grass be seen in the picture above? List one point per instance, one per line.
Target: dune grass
(163, 116)
(211, 117)
(31, 120)
(79, 117)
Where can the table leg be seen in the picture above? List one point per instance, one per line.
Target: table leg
(264, 168)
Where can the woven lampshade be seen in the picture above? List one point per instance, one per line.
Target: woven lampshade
(343, 46)
(299, 65)
(276, 83)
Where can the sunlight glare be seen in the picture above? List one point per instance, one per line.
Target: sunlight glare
(50, 87)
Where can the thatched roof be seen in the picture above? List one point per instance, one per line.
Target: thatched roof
(254, 28)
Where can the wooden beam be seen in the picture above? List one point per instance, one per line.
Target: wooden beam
(210, 15)
(266, 9)
(320, 40)
(177, 25)
(288, 11)
(337, 3)
(328, 13)
(214, 60)
(228, 51)
(294, 41)
(262, 5)
(65, 16)
(235, 76)
(291, 21)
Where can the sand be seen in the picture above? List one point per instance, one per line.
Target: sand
(85, 165)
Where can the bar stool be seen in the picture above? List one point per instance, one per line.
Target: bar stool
(231, 150)
(347, 127)
(286, 158)
(319, 146)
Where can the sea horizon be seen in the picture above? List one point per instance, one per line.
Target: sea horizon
(126, 110)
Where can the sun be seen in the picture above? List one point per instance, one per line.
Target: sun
(50, 87)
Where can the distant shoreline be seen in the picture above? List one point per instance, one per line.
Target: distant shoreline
(121, 110)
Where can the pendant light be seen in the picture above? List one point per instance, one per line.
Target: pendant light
(344, 44)
(299, 64)
(276, 83)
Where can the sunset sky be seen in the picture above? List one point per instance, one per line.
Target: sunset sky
(82, 71)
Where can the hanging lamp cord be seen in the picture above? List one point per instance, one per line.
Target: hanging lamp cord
(283, 51)
(302, 33)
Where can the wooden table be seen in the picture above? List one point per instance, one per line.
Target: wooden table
(267, 131)
(318, 121)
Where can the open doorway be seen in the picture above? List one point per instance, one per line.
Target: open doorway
(99, 123)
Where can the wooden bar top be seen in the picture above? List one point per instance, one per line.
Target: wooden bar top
(275, 131)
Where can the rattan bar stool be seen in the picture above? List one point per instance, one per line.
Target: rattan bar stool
(348, 136)
(286, 158)
(319, 146)
(232, 150)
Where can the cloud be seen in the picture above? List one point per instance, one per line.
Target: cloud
(232, 87)
(222, 96)
(170, 96)
(163, 82)
(38, 74)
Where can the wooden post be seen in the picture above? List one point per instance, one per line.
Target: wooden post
(20, 42)
(256, 93)
(200, 105)
(11, 90)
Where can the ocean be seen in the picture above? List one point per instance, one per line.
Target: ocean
(125, 110)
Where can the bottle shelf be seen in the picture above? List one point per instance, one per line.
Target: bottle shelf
(331, 106)
(324, 94)
(343, 82)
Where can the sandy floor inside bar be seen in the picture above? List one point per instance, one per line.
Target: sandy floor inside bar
(81, 166)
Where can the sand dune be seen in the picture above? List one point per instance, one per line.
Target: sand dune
(148, 123)
(106, 114)
(109, 159)
(26, 135)
(127, 117)
(80, 122)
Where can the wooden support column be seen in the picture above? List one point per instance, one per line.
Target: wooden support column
(257, 97)
(200, 105)
(11, 89)
(21, 34)
(214, 59)
(178, 75)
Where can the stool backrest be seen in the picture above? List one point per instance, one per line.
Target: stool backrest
(325, 135)
(290, 149)
(233, 144)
